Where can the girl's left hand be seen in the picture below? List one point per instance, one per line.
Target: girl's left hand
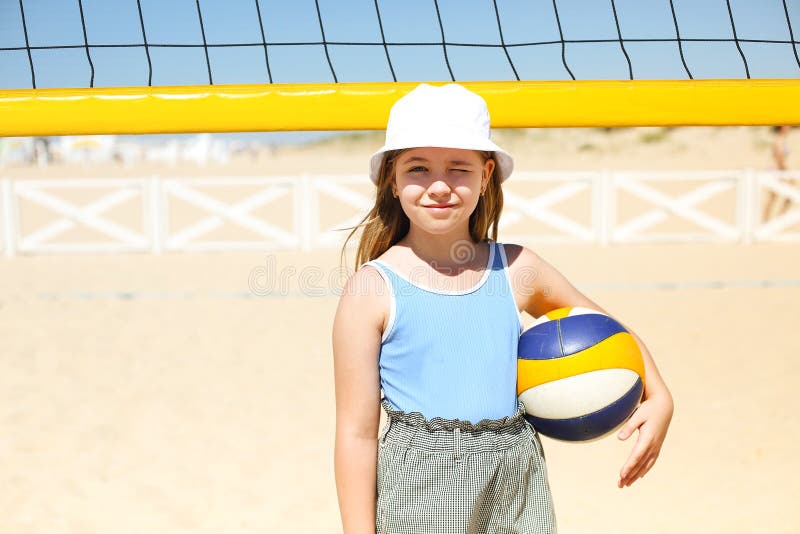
(652, 418)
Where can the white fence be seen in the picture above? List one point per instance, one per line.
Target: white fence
(233, 213)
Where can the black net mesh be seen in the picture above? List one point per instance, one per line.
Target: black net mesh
(93, 43)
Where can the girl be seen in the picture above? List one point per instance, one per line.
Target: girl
(780, 153)
(431, 319)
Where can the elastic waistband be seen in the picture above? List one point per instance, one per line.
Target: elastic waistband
(412, 429)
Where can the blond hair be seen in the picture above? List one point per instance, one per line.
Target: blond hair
(386, 223)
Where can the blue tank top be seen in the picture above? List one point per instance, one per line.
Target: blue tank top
(452, 354)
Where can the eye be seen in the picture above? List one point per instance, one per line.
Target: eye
(418, 168)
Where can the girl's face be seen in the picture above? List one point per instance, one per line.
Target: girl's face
(439, 188)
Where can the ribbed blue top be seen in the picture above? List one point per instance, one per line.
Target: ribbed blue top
(452, 354)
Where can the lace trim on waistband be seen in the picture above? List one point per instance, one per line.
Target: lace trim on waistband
(440, 423)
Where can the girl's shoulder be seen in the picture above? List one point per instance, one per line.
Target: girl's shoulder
(367, 280)
(520, 257)
(365, 293)
(528, 272)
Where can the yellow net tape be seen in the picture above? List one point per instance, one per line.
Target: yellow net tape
(359, 106)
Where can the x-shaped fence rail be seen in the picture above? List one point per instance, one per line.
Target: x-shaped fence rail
(584, 207)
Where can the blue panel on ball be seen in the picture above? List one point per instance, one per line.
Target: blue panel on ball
(593, 425)
(541, 342)
(562, 337)
(579, 332)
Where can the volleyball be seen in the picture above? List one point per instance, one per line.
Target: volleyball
(580, 374)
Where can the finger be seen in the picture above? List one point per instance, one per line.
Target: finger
(634, 460)
(637, 456)
(648, 465)
(628, 474)
(637, 472)
(630, 426)
(644, 468)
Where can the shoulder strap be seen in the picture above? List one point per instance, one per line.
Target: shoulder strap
(387, 280)
(504, 259)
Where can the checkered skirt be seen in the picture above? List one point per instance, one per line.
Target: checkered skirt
(447, 476)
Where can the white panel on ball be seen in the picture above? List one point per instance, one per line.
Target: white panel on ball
(578, 395)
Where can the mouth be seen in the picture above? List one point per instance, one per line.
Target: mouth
(438, 206)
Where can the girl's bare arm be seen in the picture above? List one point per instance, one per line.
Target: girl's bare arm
(546, 290)
(357, 330)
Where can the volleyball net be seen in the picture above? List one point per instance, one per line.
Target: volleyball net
(142, 66)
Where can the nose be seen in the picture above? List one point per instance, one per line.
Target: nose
(439, 187)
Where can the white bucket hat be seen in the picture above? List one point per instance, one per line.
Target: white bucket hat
(447, 116)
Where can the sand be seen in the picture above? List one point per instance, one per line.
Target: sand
(143, 393)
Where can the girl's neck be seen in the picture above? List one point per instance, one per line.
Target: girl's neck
(449, 252)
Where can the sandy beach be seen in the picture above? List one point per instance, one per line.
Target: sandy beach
(165, 393)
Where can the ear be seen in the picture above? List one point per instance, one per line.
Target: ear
(488, 169)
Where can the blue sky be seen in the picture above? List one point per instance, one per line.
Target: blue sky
(176, 22)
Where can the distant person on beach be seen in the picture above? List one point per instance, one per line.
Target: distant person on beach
(780, 153)
(42, 154)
